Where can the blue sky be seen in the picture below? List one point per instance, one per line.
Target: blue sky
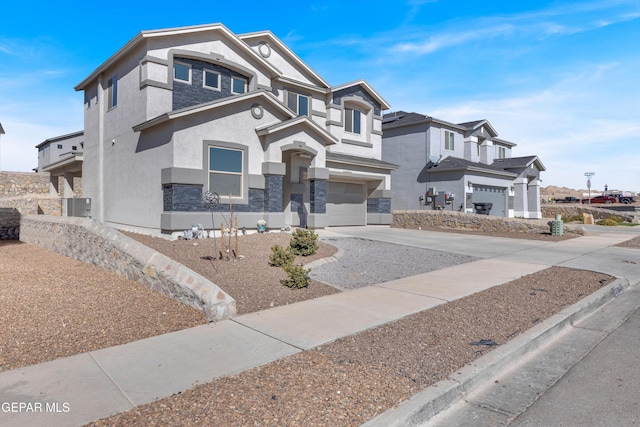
(559, 78)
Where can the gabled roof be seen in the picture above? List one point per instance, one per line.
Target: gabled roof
(288, 52)
(504, 142)
(475, 125)
(383, 104)
(169, 32)
(303, 121)
(519, 163)
(1, 129)
(260, 93)
(449, 164)
(360, 161)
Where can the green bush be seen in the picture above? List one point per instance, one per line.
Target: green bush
(607, 221)
(573, 218)
(298, 277)
(281, 257)
(303, 242)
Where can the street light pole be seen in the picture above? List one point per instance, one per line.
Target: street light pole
(1, 133)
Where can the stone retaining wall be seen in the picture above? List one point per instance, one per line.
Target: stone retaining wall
(9, 224)
(569, 210)
(482, 223)
(89, 241)
(21, 183)
(34, 204)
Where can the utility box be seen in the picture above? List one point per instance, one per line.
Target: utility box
(78, 206)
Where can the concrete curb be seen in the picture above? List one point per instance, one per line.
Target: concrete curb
(429, 402)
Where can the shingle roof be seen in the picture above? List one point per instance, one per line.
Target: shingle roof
(454, 163)
(518, 162)
(362, 161)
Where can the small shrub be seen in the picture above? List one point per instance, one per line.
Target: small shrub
(281, 257)
(303, 242)
(298, 277)
(573, 218)
(607, 221)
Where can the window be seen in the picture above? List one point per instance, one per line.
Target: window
(182, 72)
(449, 140)
(238, 85)
(59, 146)
(225, 171)
(298, 103)
(211, 80)
(74, 148)
(502, 152)
(112, 89)
(352, 120)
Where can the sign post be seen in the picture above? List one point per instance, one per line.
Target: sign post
(589, 175)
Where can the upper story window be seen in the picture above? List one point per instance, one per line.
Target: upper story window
(112, 92)
(226, 171)
(211, 80)
(238, 85)
(182, 72)
(74, 147)
(298, 103)
(59, 146)
(502, 152)
(352, 120)
(449, 140)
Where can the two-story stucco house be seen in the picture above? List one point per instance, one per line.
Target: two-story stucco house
(61, 157)
(179, 112)
(467, 160)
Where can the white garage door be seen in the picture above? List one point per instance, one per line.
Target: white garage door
(494, 195)
(346, 203)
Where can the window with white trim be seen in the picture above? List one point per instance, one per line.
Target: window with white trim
(182, 72)
(238, 85)
(226, 171)
(112, 92)
(502, 152)
(211, 80)
(449, 140)
(298, 103)
(352, 120)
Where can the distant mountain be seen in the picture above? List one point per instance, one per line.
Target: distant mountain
(560, 192)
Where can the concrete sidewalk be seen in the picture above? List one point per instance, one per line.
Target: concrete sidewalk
(79, 389)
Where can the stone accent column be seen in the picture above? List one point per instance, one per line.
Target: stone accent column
(273, 177)
(379, 207)
(318, 178)
(318, 196)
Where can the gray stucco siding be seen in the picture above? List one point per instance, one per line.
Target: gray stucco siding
(356, 91)
(194, 93)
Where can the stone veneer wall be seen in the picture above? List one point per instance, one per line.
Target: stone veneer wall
(482, 223)
(34, 204)
(9, 224)
(20, 183)
(89, 241)
(568, 210)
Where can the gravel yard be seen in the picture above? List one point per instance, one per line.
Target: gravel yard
(366, 262)
(54, 307)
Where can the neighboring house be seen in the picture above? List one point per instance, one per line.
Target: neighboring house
(62, 158)
(179, 112)
(467, 160)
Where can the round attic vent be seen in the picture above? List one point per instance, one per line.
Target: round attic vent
(264, 49)
(257, 111)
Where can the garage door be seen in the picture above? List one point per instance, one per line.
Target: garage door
(494, 195)
(346, 203)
